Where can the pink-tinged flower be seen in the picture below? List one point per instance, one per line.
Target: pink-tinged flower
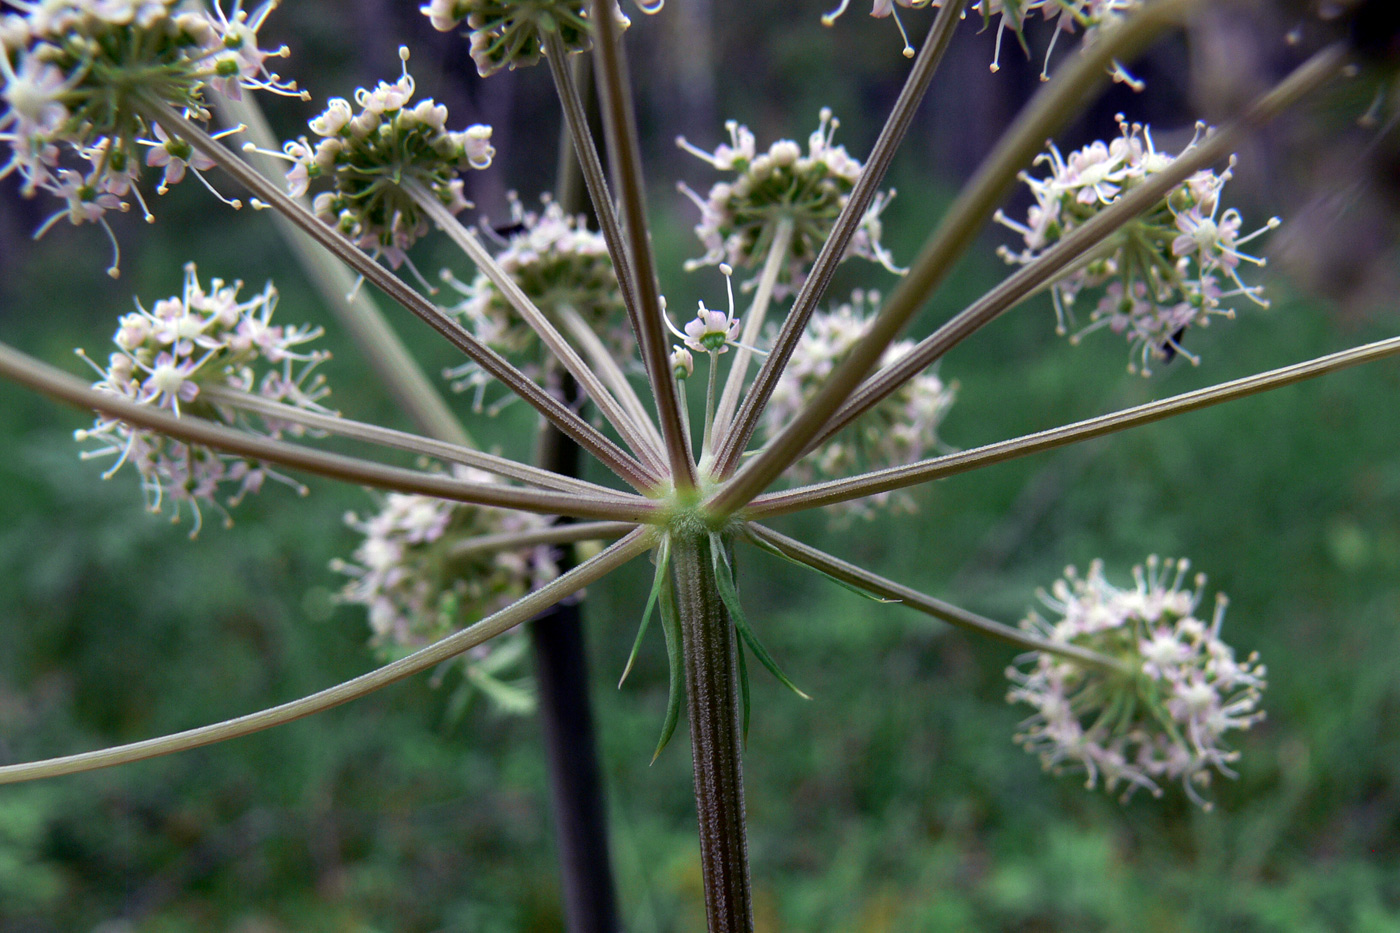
(1159, 273)
(1164, 712)
(739, 215)
(711, 331)
(174, 155)
(170, 356)
(372, 156)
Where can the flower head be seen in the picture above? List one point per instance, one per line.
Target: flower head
(562, 266)
(1165, 712)
(510, 33)
(369, 155)
(76, 74)
(739, 217)
(420, 579)
(171, 356)
(1090, 15)
(1171, 268)
(901, 429)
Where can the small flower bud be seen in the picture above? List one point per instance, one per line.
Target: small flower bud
(682, 363)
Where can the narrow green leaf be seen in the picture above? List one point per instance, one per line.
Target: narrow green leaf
(730, 596)
(671, 628)
(773, 549)
(663, 558)
(743, 688)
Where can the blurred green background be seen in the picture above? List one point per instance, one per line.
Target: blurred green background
(895, 800)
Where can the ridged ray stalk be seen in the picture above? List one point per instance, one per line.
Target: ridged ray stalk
(588, 437)
(1056, 103)
(59, 385)
(424, 659)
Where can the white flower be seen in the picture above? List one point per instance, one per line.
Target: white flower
(1160, 272)
(168, 355)
(1165, 713)
(738, 217)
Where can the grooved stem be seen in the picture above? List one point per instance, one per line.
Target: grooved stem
(716, 736)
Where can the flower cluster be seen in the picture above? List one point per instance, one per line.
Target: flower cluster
(509, 33)
(419, 578)
(1172, 267)
(1163, 715)
(739, 218)
(901, 429)
(81, 75)
(375, 156)
(1092, 16)
(172, 357)
(562, 266)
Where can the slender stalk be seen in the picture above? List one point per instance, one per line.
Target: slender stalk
(1049, 109)
(937, 608)
(589, 437)
(354, 308)
(1080, 244)
(594, 569)
(59, 385)
(549, 335)
(753, 323)
(868, 484)
(940, 34)
(607, 369)
(591, 167)
(554, 534)
(716, 735)
(619, 121)
(712, 376)
(402, 440)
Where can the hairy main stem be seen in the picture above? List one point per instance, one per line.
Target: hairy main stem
(716, 735)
